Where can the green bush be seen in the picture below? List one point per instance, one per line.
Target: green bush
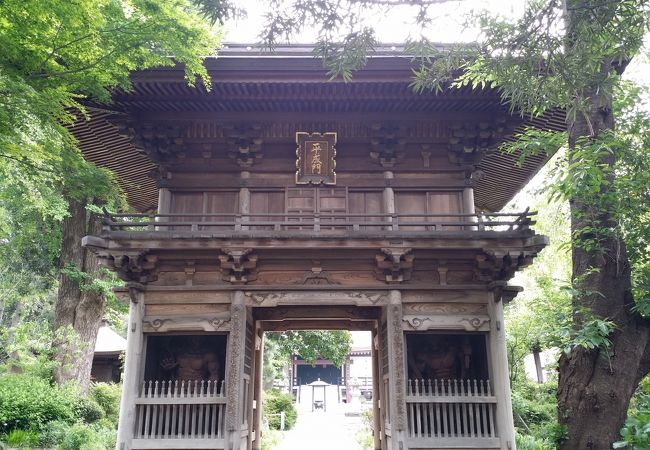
(535, 414)
(61, 435)
(86, 437)
(276, 401)
(28, 402)
(107, 395)
(88, 410)
(636, 431)
(53, 433)
(22, 438)
(528, 442)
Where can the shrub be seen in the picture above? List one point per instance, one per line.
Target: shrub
(89, 410)
(28, 402)
(53, 433)
(636, 431)
(535, 414)
(527, 442)
(275, 402)
(107, 395)
(22, 438)
(83, 437)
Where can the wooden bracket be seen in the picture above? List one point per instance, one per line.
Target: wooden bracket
(134, 289)
(238, 265)
(161, 142)
(388, 143)
(469, 142)
(500, 265)
(244, 143)
(132, 266)
(394, 264)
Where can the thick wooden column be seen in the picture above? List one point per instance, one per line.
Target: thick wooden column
(397, 383)
(244, 199)
(258, 394)
(235, 372)
(376, 389)
(468, 201)
(388, 196)
(133, 366)
(500, 374)
(164, 201)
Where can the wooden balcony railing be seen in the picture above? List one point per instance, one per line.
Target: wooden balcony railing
(186, 414)
(334, 223)
(451, 413)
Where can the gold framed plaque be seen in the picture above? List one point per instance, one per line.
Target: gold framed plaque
(316, 158)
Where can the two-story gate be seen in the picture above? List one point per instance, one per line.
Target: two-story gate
(385, 236)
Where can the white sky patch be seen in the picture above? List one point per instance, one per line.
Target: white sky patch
(394, 27)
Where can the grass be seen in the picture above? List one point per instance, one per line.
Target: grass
(271, 438)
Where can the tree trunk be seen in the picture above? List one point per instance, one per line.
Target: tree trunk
(78, 312)
(595, 386)
(539, 370)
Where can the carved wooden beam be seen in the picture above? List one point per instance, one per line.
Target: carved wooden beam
(314, 298)
(186, 323)
(316, 276)
(446, 322)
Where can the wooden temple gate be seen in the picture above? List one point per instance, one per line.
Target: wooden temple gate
(281, 202)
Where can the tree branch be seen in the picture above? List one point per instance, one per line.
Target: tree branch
(404, 2)
(72, 71)
(26, 163)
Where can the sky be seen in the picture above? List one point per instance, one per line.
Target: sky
(393, 28)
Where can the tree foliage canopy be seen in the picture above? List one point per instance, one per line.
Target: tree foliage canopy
(57, 55)
(57, 59)
(311, 345)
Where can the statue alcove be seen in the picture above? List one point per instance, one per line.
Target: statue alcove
(187, 357)
(445, 356)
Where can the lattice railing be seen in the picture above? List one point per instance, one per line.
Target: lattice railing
(325, 223)
(181, 410)
(451, 409)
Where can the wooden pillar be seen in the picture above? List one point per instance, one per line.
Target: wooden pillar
(388, 194)
(258, 394)
(164, 201)
(376, 389)
(244, 199)
(132, 372)
(396, 361)
(500, 375)
(235, 372)
(468, 201)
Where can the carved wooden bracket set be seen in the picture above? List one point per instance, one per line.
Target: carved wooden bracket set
(395, 265)
(135, 266)
(388, 142)
(244, 143)
(238, 265)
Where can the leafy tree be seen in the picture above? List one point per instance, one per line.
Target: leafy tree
(58, 56)
(309, 345)
(540, 317)
(559, 53)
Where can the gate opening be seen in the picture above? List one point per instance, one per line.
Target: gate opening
(334, 404)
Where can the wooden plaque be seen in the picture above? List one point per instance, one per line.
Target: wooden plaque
(316, 158)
